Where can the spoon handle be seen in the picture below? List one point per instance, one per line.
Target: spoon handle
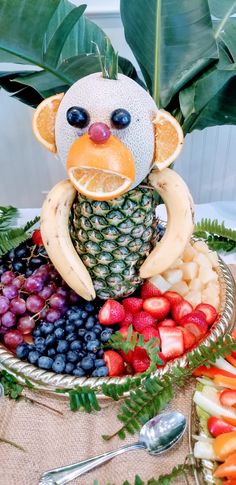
(63, 475)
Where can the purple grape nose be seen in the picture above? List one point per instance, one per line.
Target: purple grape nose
(99, 132)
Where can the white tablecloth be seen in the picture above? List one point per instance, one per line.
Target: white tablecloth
(223, 211)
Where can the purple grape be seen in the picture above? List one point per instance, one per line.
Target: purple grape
(62, 291)
(53, 274)
(8, 319)
(34, 303)
(7, 277)
(4, 304)
(42, 272)
(43, 314)
(13, 338)
(10, 291)
(33, 284)
(53, 286)
(18, 306)
(52, 315)
(46, 292)
(26, 325)
(73, 297)
(18, 282)
(57, 301)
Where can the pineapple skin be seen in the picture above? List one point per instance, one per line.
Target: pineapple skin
(113, 239)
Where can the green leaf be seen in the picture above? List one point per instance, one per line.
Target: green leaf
(223, 19)
(7, 215)
(172, 41)
(217, 236)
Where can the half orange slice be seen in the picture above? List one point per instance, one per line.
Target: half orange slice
(44, 121)
(169, 139)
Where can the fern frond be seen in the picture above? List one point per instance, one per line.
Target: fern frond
(214, 227)
(31, 223)
(7, 215)
(12, 238)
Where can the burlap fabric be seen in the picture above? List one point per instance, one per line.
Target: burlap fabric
(51, 440)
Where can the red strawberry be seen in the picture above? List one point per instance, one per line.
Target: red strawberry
(129, 356)
(172, 342)
(158, 307)
(111, 312)
(141, 360)
(168, 322)
(128, 320)
(143, 320)
(173, 297)
(161, 356)
(189, 338)
(195, 322)
(180, 309)
(150, 332)
(210, 312)
(37, 238)
(133, 305)
(149, 290)
(114, 363)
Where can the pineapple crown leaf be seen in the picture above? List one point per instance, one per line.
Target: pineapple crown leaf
(108, 61)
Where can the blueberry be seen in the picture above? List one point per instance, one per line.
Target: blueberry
(22, 351)
(33, 356)
(76, 345)
(92, 355)
(51, 352)
(90, 323)
(50, 340)
(79, 372)
(97, 329)
(45, 362)
(39, 340)
(89, 336)
(59, 323)
(59, 333)
(60, 357)
(100, 353)
(36, 332)
(87, 363)
(72, 356)
(70, 328)
(101, 372)
(93, 345)
(71, 337)
(73, 317)
(69, 368)
(99, 363)
(81, 332)
(62, 346)
(106, 335)
(79, 322)
(40, 344)
(89, 307)
(81, 355)
(47, 328)
(84, 315)
(58, 366)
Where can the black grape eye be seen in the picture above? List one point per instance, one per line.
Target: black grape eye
(120, 118)
(78, 117)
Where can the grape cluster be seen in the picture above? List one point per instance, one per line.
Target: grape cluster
(25, 259)
(72, 344)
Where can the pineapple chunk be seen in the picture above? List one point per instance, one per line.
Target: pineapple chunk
(209, 297)
(190, 270)
(181, 287)
(194, 297)
(206, 275)
(201, 247)
(195, 284)
(160, 282)
(189, 253)
(213, 259)
(213, 288)
(173, 276)
(202, 260)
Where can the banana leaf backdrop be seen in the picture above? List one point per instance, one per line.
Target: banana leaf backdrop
(186, 51)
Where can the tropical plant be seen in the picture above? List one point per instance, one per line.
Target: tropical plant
(186, 51)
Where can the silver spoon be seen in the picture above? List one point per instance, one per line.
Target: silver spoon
(158, 435)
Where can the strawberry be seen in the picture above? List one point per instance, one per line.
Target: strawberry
(114, 362)
(111, 312)
(149, 290)
(173, 297)
(189, 338)
(129, 356)
(168, 322)
(143, 320)
(150, 332)
(180, 309)
(210, 312)
(133, 305)
(158, 307)
(128, 320)
(161, 356)
(172, 342)
(37, 238)
(195, 322)
(141, 360)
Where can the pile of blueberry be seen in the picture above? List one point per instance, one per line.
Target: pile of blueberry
(70, 345)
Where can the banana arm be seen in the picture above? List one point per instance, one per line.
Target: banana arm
(180, 222)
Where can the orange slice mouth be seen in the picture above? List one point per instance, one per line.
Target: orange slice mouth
(100, 171)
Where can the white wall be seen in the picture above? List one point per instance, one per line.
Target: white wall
(27, 171)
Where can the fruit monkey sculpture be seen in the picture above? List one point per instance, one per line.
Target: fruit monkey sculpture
(99, 226)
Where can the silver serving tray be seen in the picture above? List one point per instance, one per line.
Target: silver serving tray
(50, 381)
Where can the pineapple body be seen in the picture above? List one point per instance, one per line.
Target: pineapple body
(113, 238)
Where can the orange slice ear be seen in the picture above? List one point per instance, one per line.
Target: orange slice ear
(44, 121)
(169, 139)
